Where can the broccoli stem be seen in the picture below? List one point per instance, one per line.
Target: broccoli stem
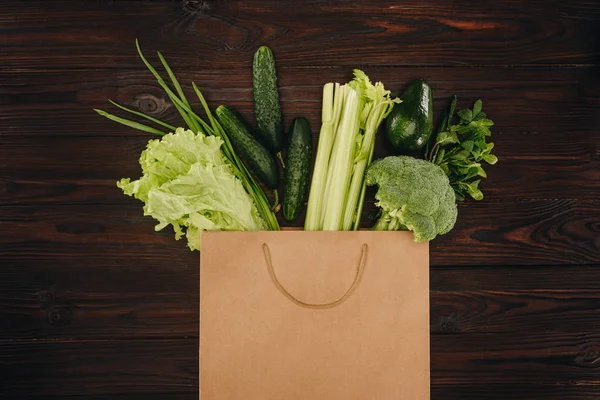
(394, 225)
(382, 223)
(387, 223)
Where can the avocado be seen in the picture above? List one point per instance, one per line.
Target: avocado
(409, 124)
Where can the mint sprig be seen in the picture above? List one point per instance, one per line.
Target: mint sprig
(462, 149)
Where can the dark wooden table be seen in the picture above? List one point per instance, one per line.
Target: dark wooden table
(94, 304)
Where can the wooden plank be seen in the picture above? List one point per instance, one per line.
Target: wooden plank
(474, 391)
(438, 392)
(537, 104)
(70, 164)
(99, 367)
(66, 169)
(535, 232)
(47, 298)
(510, 311)
(484, 365)
(190, 395)
(321, 33)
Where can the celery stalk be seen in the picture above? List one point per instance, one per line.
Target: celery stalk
(341, 92)
(317, 187)
(344, 152)
(347, 131)
(374, 119)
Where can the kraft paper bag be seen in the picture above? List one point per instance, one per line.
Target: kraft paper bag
(314, 316)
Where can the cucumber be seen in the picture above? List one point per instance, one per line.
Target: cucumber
(259, 160)
(297, 171)
(266, 100)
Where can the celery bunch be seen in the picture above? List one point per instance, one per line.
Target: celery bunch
(351, 115)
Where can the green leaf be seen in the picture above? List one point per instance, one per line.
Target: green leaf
(480, 143)
(472, 173)
(463, 129)
(139, 114)
(480, 116)
(458, 193)
(476, 194)
(461, 155)
(477, 107)
(484, 131)
(447, 138)
(490, 159)
(473, 165)
(179, 105)
(473, 190)
(129, 123)
(452, 109)
(173, 79)
(440, 156)
(485, 122)
(446, 122)
(465, 115)
(467, 145)
(481, 172)
(445, 168)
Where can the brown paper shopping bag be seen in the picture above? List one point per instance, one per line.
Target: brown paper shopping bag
(314, 316)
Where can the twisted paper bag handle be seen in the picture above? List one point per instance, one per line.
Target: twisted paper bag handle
(359, 273)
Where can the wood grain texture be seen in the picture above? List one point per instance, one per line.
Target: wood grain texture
(521, 101)
(85, 170)
(492, 233)
(317, 33)
(546, 125)
(94, 304)
(158, 299)
(536, 363)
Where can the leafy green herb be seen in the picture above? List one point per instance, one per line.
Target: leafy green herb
(460, 149)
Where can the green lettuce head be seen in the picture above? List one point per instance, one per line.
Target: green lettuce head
(186, 183)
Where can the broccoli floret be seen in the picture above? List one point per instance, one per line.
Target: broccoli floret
(413, 194)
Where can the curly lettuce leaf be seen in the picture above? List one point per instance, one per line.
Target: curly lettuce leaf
(187, 184)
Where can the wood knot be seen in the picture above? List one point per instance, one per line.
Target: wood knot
(198, 7)
(47, 294)
(589, 356)
(60, 316)
(150, 104)
(446, 324)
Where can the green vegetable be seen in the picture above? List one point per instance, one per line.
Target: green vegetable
(409, 125)
(351, 115)
(413, 194)
(186, 183)
(461, 149)
(256, 155)
(199, 125)
(266, 100)
(297, 172)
